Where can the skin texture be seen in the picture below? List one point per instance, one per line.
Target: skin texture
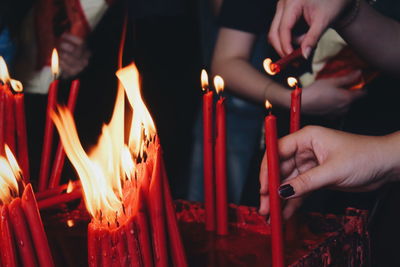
(74, 55)
(317, 157)
(232, 61)
(369, 32)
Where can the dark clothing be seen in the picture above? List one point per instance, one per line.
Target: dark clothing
(148, 8)
(12, 12)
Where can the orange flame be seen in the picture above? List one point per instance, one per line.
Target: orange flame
(70, 223)
(70, 187)
(55, 69)
(219, 84)
(268, 105)
(4, 75)
(204, 80)
(269, 67)
(10, 174)
(103, 170)
(292, 82)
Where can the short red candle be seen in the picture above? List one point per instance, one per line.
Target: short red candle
(59, 158)
(208, 163)
(8, 251)
(39, 238)
(60, 199)
(220, 161)
(22, 235)
(93, 246)
(295, 105)
(10, 120)
(48, 137)
(271, 142)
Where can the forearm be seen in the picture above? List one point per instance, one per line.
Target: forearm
(243, 79)
(390, 154)
(375, 37)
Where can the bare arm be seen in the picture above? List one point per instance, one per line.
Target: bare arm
(231, 61)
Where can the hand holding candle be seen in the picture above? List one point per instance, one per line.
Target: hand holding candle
(276, 67)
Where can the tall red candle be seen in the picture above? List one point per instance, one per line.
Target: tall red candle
(8, 251)
(10, 120)
(220, 161)
(271, 142)
(60, 199)
(295, 105)
(22, 140)
(208, 164)
(274, 68)
(39, 238)
(49, 126)
(59, 158)
(22, 235)
(2, 117)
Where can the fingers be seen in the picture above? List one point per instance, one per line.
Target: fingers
(311, 38)
(308, 181)
(273, 35)
(289, 18)
(347, 80)
(264, 198)
(72, 39)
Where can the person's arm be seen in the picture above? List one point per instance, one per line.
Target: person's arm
(231, 60)
(374, 36)
(317, 157)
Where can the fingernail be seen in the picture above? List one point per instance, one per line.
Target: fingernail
(307, 52)
(286, 191)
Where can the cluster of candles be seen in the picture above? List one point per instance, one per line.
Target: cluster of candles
(215, 180)
(125, 185)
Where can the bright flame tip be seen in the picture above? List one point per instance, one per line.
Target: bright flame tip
(219, 84)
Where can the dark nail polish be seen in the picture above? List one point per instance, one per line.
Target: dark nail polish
(286, 191)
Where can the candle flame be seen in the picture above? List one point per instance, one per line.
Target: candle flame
(292, 81)
(219, 84)
(70, 187)
(70, 223)
(4, 75)
(270, 67)
(10, 174)
(55, 69)
(128, 165)
(204, 80)
(16, 86)
(268, 105)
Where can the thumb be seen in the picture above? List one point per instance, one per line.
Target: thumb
(311, 38)
(348, 79)
(306, 182)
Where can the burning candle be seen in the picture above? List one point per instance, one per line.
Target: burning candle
(59, 158)
(208, 144)
(8, 252)
(220, 160)
(295, 105)
(3, 89)
(57, 200)
(271, 142)
(9, 119)
(49, 127)
(274, 68)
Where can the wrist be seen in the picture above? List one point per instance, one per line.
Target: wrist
(390, 155)
(348, 15)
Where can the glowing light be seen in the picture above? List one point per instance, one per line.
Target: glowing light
(270, 67)
(55, 69)
(292, 82)
(268, 105)
(70, 187)
(70, 223)
(4, 75)
(204, 80)
(10, 174)
(219, 84)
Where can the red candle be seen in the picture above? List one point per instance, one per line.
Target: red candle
(65, 188)
(120, 247)
(22, 141)
(22, 235)
(220, 161)
(59, 158)
(175, 239)
(271, 142)
(8, 252)
(93, 246)
(35, 224)
(133, 246)
(60, 199)
(105, 241)
(208, 169)
(276, 67)
(2, 117)
(157, 213)
(9, 120)
(49, 127)
(295, 105)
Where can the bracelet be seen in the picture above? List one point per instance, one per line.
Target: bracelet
(348, 15)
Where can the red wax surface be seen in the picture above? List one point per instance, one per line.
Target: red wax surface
(8, 251)
(93, 246)
(10, 120)
(271, 142)
(22, 141)
(2, 116)
(59, 158)
(220, 169)
(283, 62)
(295, 109)
(208, 160)
(64, 198)
(39, 238)
(48, 137)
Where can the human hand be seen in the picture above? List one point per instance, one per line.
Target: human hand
(317, 157)
(74, 55)
(318, 14)
(330, 96)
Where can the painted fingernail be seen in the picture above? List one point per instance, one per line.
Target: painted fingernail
(286, 191)
(307, 52)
